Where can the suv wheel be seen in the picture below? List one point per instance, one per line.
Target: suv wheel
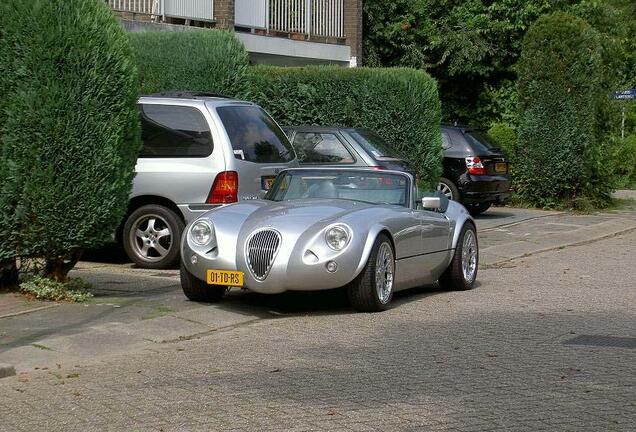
(448, 188)
(477, 209)
(151, 237)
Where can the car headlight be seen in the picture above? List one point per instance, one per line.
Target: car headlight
(201, 233)
(337, 237)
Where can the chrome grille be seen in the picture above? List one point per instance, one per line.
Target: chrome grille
(262, 248)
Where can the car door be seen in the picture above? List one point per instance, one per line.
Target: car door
(435, 234)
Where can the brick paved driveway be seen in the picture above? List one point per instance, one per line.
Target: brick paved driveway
(490, 359)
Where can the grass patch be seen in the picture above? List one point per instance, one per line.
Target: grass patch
(41, 288)
(159, 311)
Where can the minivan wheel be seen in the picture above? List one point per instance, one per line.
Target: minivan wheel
(151, 237)
(448, 188)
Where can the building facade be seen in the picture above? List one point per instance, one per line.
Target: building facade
(279, 32)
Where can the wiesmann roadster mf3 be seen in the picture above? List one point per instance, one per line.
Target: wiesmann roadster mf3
(370, 231)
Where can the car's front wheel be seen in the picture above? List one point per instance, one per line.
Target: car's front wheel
(372, 289)
(151, 237)
(199, 291)
(462, 271)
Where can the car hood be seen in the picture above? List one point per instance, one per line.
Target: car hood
(285, 215)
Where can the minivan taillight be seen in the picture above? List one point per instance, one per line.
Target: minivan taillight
(475, 166)
(225, 188)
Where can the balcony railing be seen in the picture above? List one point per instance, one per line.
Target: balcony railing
(199, 10)
(309, 17)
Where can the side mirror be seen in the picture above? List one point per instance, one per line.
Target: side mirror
(432, 203)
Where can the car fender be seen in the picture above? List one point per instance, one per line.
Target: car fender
(458, 216)
(372, 234)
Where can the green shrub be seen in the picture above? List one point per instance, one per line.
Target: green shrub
(560, 72)
(68, 128)
(623, 160)
(204, 60)
(401, 105)
(506, 136)
(41, 288)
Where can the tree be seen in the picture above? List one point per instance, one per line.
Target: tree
(560, 77)
(68, 129)
(470, 46)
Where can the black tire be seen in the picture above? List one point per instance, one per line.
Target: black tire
(199, 291)
(451, 188)
(477, 209)
(453, 278)
(165, 219)
(362, 290)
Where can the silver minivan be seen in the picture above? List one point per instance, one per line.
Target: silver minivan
(199, 152)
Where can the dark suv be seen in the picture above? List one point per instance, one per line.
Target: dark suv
(475, 169)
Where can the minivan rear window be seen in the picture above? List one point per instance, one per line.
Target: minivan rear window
(255, 137)
(174, 131)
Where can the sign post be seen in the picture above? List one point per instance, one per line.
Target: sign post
(624, 95)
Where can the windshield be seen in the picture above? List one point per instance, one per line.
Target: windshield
(373, 144)
(370, 187)
(255, 137)
(481, 141)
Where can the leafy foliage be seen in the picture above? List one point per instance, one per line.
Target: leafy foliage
(68, 127)
(401, 105)
(41, 288)
(470, 46)
(205, 60)
(560, 76)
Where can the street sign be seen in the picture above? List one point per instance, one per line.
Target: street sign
(624, 95)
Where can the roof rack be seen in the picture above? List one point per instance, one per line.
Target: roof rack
(188, 95)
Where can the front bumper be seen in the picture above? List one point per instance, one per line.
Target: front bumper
(289, 271)
(484, 189)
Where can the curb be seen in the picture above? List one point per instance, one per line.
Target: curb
(498, 264)
(6, 370)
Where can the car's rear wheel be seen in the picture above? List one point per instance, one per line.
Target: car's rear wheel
(372, 289)
(199, 291)
(151, 237)
(477, 209)
(448, 189)
(462, 271)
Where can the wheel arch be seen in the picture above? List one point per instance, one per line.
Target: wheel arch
(373, 234)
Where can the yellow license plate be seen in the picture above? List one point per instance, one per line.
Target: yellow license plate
(501, 167)
(226, 278)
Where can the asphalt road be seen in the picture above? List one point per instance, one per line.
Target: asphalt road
(546, 342)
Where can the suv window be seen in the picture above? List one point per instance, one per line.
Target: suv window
(174, 131)
(372, 144)
(481, 141)
(446, 142)
(315, 147)
(255, 137)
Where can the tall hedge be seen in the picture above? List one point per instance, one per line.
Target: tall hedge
(197, 60)
(401, 105)
(68, 128)
(560, 72)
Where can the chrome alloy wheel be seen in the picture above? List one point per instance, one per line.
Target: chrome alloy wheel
(151, 238)
(469, 256)
(384, 272)
(446, 190)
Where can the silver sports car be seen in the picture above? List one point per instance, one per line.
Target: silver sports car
(370, 231)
